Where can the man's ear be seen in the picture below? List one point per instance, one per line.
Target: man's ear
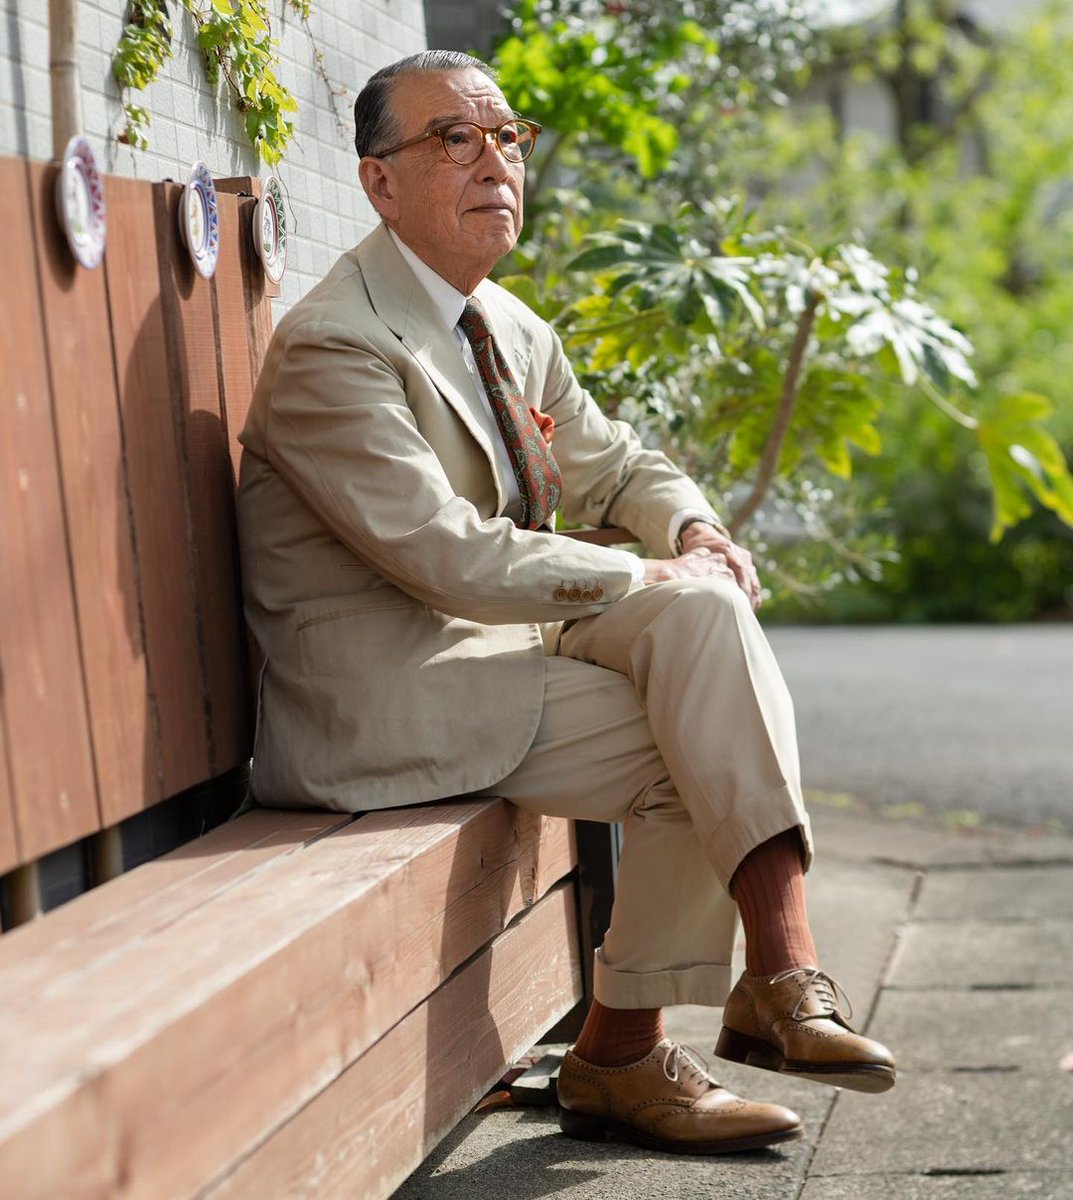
(378, 180)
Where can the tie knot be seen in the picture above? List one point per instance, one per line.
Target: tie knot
(473, 321)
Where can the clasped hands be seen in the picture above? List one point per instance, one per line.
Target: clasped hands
(707, 551)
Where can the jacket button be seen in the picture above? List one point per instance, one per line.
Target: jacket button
(586, 595)
(561, 593)
(597, 593)
(574, 594)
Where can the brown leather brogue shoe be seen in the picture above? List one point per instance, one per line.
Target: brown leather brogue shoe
(793, 1023)
(666, 1101)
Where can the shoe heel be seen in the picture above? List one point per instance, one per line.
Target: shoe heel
(581, 1125)
(739, 1048)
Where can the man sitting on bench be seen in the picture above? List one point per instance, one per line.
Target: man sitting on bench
(414, 430)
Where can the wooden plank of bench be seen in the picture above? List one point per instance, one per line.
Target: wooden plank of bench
(138, 1068)
(365, 1133)
(43, 702)
(155, 486)
(79, 339)
(82, 936)
(612, 535)
(187, 302)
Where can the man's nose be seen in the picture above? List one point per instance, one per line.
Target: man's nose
(492, 162)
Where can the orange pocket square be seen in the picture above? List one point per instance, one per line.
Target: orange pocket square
(544, 423)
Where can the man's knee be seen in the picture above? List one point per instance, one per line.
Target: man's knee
(706, 598)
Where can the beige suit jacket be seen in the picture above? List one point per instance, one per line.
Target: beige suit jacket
(399, 617)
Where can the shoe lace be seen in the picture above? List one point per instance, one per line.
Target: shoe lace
(827, 992)
(679, 1058)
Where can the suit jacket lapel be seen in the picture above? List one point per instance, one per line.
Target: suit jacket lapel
(404, 306)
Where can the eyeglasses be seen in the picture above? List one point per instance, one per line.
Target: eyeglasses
(464, 142)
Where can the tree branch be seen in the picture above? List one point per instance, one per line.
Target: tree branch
(791, 382)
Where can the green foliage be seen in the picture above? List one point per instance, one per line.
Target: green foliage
(144, 46)
(1024, 458)
(235, 40)
(550, 69)
(625, 78)
(790, 337)
(997, 246)
(775, 371)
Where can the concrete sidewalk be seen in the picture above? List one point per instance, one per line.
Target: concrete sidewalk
(956, 949)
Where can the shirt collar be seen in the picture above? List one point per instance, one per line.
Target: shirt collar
(448, 301)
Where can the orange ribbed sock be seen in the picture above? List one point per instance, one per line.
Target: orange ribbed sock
(613, 1037)
(769, 889)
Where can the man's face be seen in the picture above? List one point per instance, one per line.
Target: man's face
(459, 219)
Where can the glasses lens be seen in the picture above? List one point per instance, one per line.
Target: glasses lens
(463, 143)
(516, 140)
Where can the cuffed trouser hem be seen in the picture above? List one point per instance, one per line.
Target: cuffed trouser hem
(752, 824)
(708, 983)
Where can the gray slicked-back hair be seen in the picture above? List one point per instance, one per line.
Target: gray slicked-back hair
(375, 125)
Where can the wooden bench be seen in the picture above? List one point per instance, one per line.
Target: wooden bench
(295, 1003)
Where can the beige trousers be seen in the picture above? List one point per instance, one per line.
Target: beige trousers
(669, 712)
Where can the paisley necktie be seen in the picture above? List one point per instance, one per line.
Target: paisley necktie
(539, 482)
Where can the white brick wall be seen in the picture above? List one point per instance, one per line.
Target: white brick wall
(328, 210)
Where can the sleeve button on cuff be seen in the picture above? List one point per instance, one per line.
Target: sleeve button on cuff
(597, 593)
(574, 594)
(561, 593)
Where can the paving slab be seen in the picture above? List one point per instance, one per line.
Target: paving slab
(847, 829)
(520, 1154)
(1016, 1123)
(855, 909)
(1010, 893)
(979, 954)
(976, 1031)
(1050, 1185)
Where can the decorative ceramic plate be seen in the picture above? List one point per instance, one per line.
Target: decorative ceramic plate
(270, 229)
(80, 202)
(199, 220)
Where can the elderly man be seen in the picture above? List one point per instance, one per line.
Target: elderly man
(413, 433)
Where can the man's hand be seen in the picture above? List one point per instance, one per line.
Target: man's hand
(706, 551)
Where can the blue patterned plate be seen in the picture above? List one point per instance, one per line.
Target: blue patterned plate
(199, 220)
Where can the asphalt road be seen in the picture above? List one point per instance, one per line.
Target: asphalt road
(955, 719)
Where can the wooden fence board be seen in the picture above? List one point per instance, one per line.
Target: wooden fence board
(368, 1130)
(9, 851)
(85, 409)
(157, 1041)
(238, 373)
(258, 288)
(187, 303)
(48, 743)
(155, 485)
